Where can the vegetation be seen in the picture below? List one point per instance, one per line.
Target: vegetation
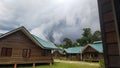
(67, 65)
(87, 38)
(68, 42)
(102, 64)
(96, 36)
(55, 65)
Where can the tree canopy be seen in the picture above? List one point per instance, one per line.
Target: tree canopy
(87, 38)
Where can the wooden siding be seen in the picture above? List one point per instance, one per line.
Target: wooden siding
(56, 54)
(19, 41)
(91, 52)
(89, 49)
(75, 57)
(110, 20)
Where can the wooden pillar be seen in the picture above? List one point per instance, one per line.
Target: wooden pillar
(81, 57)
(15, 65)
(50, 64)
(33, 65)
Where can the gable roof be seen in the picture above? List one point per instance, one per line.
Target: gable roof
(97, 46)
(43, 44)
(60, 50)
(74, 50)
(46, 44)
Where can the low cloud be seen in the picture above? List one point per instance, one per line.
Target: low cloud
(50, 19)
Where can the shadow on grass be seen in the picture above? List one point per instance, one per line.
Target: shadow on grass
(23, 65)
(6, 66)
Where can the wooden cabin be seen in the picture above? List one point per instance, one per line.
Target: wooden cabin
(20, 47)
(93, 52)
(58, 53)
(109, 12)
(74, 53)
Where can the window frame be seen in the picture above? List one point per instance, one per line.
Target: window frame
(27, 53)
(6, 52)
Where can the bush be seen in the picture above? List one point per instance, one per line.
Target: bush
(102, 64)
(62, 58)
(90, 58)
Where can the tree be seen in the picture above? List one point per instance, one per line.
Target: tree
(97, 36)
(87, 32)
(68, 42)
(75, 44)
(82, 41)
(87, 37)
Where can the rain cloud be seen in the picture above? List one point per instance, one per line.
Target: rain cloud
(50, 19)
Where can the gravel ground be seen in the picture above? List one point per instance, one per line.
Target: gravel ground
(77, 62)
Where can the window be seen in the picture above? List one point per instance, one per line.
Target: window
(26, 53)
(45, 52)
(6, 51)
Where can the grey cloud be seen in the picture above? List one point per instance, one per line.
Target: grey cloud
(50, 19)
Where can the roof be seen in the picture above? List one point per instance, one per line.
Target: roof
(43, 44)
(97, 46)
(97, 42)
(74, 50)
(46, 44)
(60, 50)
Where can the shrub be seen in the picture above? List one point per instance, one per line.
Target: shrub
(102, 64)
(90, 58)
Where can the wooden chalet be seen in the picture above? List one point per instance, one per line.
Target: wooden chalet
(74, 53)
(57, 53)
(20, 47)
(93, 52)
(109, 12)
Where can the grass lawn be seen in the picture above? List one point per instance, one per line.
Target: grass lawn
(55, 65)
(66, 65)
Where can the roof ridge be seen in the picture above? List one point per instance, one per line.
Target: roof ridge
(28, 34)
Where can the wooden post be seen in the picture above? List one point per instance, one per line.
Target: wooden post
(50, 64)
(81, 57)
(33, 65)
(15, 65)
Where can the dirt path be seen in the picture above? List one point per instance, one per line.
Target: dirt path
(77, 62)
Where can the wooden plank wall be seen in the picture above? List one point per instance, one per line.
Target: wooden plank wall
(110, 32)
(19, 41)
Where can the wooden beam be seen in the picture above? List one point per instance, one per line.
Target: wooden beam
(15, 65)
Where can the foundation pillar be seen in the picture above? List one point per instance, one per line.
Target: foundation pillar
(33, 65)
(15, 65)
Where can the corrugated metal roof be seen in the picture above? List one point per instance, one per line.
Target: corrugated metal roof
(97, 42)
(73, 50)
(98, 47)
(59, 50)
(44, 43)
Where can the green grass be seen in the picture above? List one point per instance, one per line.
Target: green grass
(66, 65)
(55, 65)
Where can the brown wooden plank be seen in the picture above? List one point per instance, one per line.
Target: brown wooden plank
(19, 41)
(108, 17)
(114, 61)
(111, 37)
(113, 49)
(109, 27)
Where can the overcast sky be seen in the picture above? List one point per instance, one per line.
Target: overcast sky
(50, 19)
